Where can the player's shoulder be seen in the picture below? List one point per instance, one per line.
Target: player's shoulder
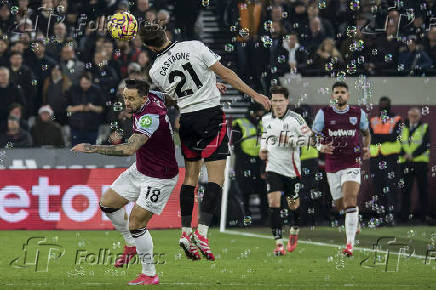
(267, 117)
(190, 43)
(292, 115)
(356, 109)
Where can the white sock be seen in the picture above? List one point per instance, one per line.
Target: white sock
(202, 230)
(279, 242)
(144, 248)
(122, 225)
(186, 230)
(351, 222)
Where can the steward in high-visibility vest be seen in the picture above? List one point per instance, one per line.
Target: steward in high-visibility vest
(248, 167)
(385, 149)
(415, 142)
(308, 153)
(414, 158)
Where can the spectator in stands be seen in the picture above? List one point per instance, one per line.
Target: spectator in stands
(126, 56)
(141, 8)
(104, 76)
(46, 131)
(55, 47)
(134, 73)
(430, 43)
(44, 17)
(313, 12)
(163, 18)
(9, 94)
(23, 78)
(15, 137)
(317, 34)
(4, 55)
(16, 111)
(186, 14)
(251, 60)
(70, 65)
(54, 92)
(85, 106)
(299, 22)
(144, 62)
(108, 48)
(327, 53)
(294, 54)
(413, 58)
(40, 64)
(6, 21)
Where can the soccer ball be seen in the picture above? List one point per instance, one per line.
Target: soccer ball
(123, 26)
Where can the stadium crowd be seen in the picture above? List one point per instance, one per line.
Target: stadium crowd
(57, 60)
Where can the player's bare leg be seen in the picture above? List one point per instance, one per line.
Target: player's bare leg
(112, 204)
(139, 218)
(215, 173)
(192, 170)
(294, 206)
(350, 190)
(276, 221)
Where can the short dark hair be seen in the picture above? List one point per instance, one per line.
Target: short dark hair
(385, 99)
(87, 75)
(15, 105)
(279, 90)
(142, 86)
(153, 35)
(340, 85)
(15, 53)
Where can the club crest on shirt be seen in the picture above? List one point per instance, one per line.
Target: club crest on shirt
(332, 122)
(353, 120)
(145, 121)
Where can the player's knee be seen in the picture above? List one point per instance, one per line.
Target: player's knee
(136, 222)
(107, 209)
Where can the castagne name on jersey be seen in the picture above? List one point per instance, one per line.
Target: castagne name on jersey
(173, 58)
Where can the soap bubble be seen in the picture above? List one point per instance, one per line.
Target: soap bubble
(244, 32)
(229, 47)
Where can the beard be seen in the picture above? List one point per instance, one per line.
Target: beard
(341, 102)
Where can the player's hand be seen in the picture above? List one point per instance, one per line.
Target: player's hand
(84, 147)
(263, 154)
(221, 87)
(366, 153)
(263, 100)
(327, 149)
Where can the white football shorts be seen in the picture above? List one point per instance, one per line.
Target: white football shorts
(147, 192)
(338, 178)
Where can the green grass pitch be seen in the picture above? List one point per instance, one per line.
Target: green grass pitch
(243, 262)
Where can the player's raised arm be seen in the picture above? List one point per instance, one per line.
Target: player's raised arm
(232, 78)
(126, 149)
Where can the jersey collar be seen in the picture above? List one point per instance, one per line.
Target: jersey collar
(284, 115)
(341, 111)
(167, 48)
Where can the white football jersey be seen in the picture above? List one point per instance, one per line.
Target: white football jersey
(182, 71)
(282, 138)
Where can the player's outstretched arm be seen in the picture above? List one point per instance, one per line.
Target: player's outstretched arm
(232, 78)
(126, 149)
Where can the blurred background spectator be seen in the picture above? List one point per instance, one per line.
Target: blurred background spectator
(85, 106)
(15, 137)
(46, 132)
